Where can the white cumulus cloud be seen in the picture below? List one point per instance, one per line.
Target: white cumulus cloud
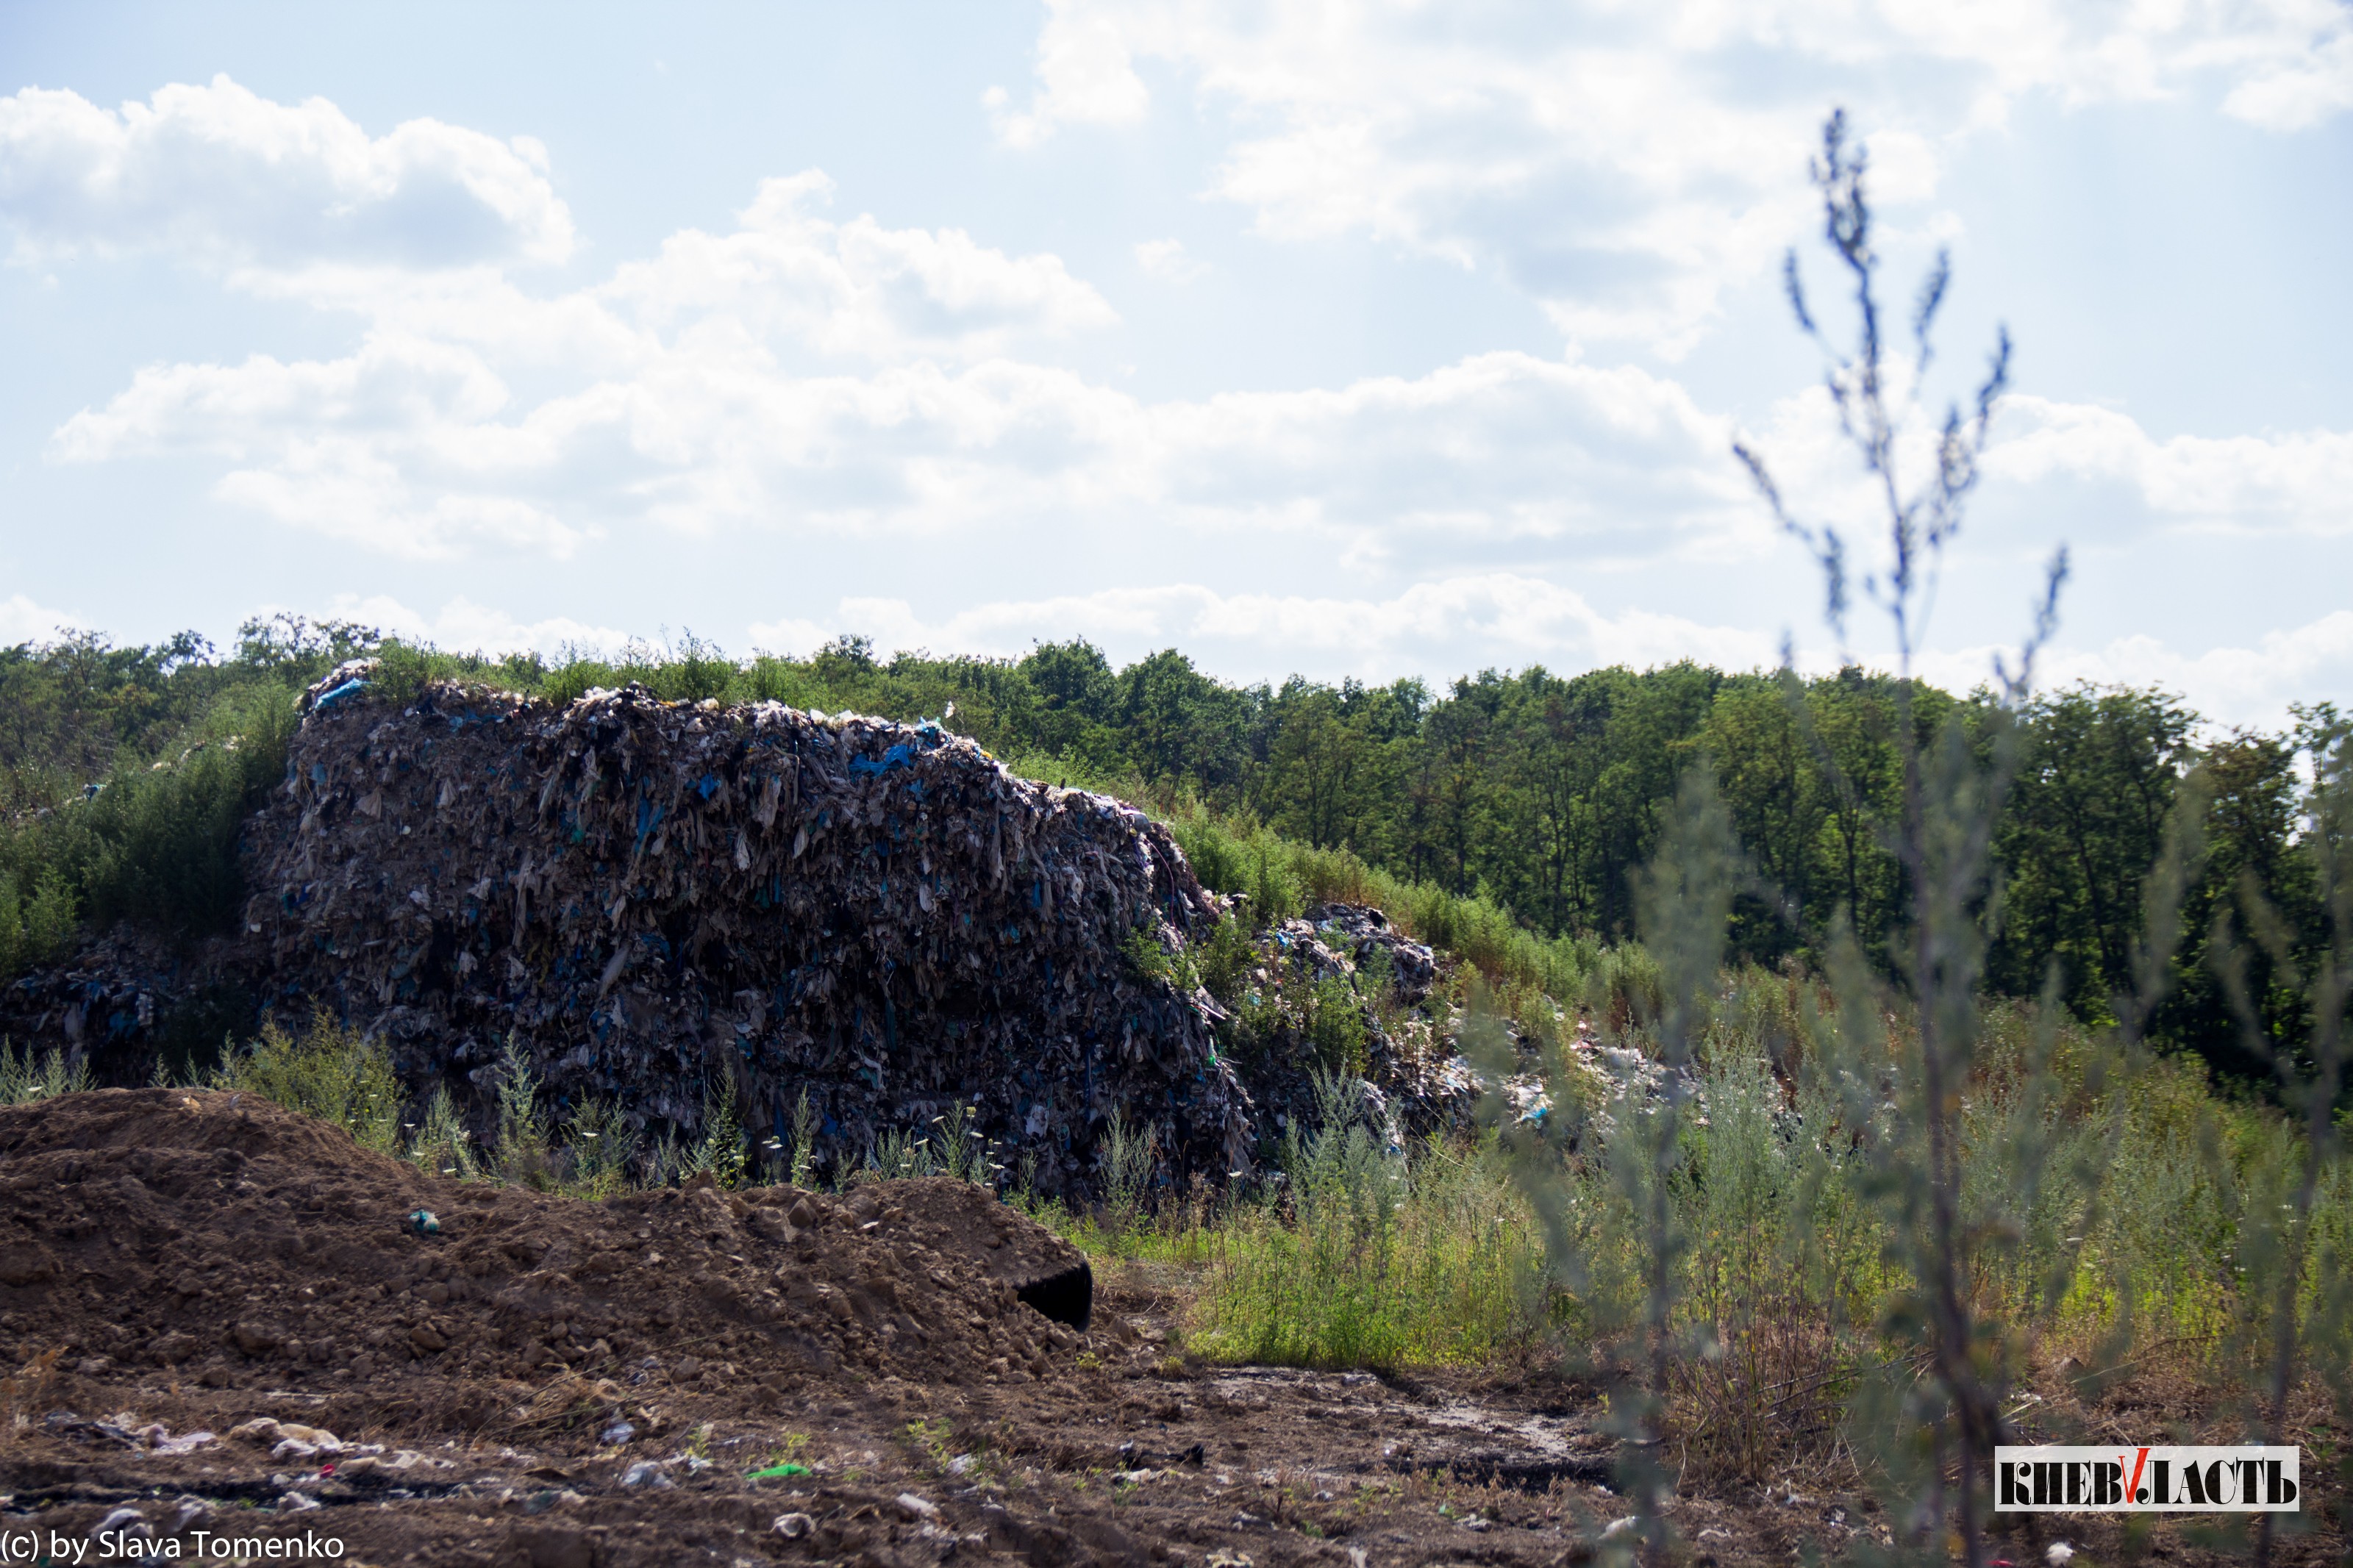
(2298, 482)
(416, 447)
(855, 287)
(2227, 684)
(463, 625)
(219, 172)
(23, 621)
(1166, 260)
(1625, 164)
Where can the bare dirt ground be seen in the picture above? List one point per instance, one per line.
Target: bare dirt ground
(559, 1384)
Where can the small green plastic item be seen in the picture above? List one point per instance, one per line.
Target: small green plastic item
(422, 1223)
(777, 1472)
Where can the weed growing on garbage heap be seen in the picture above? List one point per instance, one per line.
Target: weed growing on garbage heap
(441, 1144)
(1132, 1154)
(804, 1130)
(720, 1153)
(951, 1146)
(602, 1147)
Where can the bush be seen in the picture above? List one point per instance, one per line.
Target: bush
(1223, 962)
(329, 1071)
(1335, 1026)
(38, 929)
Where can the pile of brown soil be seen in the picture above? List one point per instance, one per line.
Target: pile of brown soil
(242, 1246)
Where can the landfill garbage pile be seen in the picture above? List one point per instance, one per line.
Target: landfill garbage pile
(101, 1000)
(217, 1237)
(1414, 1081)
(645, 896)
(1358, 937)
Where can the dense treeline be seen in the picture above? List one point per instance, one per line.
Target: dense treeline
(1539, 792)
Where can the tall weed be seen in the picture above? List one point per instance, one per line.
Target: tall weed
(25, 1078)
(442, 1144)
(518, 1137)
(600, 1149)
(330, 1071)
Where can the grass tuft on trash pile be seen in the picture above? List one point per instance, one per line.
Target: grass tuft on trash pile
(328, 1069)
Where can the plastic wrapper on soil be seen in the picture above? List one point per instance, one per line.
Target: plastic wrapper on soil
(647, 896)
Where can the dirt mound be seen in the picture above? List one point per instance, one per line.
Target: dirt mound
(243, 1246)
(645, 895)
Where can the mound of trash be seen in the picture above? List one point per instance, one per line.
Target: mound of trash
(239, 1245)
(1411, 1079)
(644, 897)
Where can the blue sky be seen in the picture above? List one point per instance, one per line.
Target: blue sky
(1365, 339)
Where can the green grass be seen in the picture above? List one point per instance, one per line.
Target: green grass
(1351, 1254)
(1376, 1260)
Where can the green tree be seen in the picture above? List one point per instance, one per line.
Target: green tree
(1321, 770)
(2085, 820)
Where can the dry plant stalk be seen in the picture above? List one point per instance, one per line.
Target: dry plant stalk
(23, 1394)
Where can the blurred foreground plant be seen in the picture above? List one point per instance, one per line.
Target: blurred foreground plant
(1918, 1360)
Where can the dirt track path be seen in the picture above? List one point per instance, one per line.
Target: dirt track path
(1121, 1453)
